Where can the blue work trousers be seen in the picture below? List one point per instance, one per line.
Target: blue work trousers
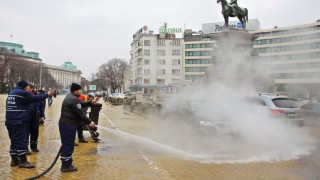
(17, 135)
(68, 135)
(34, 133)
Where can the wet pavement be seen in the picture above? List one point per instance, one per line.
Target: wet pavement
(131, 150)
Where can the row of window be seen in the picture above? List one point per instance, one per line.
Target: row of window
(160, 62)
(199, 53)
(193, 77)
(199, 61)
(287, 39)
(289, 48)
(163, 52)
(196, 69)
(294, 66)
(159, 72)
(174, 42)
(296, 75)
(177, 53)
(291, 57)
(159, 81)
(163, 71)
(206, 45)
(293, 31)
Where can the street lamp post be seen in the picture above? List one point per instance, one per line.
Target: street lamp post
(40, 76)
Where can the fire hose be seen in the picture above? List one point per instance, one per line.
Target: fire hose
(94, 136)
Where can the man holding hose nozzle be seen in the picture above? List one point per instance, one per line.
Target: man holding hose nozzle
(71, 116)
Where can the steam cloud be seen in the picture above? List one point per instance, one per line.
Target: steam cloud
(258, 136)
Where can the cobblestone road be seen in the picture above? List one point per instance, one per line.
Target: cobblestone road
(124, 153)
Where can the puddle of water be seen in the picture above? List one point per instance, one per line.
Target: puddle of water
(212, 153)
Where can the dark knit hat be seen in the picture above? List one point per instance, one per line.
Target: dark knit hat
(22, 84)
(75, 87)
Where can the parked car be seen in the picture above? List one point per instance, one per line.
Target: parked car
(204, 117)
(117, 98)
(130, 96)
(280, 106)
(311, 109)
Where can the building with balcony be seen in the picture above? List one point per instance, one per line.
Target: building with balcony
(156, 62)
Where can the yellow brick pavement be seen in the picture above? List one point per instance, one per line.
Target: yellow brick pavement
(116, 157)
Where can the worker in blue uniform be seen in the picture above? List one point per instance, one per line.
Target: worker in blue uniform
(17, 117)
(34, 117)
(71, 116)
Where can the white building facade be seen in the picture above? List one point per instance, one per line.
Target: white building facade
(292, 57)
(64, 76)
(156, 61)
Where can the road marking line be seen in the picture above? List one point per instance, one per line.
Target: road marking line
(154, 167)
(112, 124)
(149, 162)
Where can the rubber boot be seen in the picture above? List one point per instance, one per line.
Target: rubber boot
(34, 148)
(82, 140)
(68, 168)
(14, 160)
(24, 163)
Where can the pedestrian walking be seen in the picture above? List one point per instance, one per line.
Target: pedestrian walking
(50, 100)
(55, 93)
(71, 116)
(17, 118)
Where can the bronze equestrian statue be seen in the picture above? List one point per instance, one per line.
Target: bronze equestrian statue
(233, 10)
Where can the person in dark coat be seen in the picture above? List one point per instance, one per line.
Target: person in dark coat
(86, 108)
(34, 117)
(17, 118)
(71, 116)
(42, 109)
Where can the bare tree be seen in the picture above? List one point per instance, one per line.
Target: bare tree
(6, 57)
(14, 67)
(111, 74)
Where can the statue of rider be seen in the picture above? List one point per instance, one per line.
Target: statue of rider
(234, 7)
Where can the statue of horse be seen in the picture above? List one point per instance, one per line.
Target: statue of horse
(241, 13)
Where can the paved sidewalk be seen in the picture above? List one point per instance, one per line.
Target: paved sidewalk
(117, 157)
(120, 161)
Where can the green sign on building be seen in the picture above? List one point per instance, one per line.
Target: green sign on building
(92, 87)
(164, 30)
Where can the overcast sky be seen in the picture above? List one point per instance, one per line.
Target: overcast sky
(90, 32)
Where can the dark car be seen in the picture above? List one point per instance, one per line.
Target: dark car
(203, 116)
(311, 109)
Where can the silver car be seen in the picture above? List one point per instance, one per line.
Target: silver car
(280, 106)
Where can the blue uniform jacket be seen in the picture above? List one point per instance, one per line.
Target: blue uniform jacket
(34, 111)
(42, 108)
(18, 105)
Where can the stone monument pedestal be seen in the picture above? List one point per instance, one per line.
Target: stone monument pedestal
(236, 63)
